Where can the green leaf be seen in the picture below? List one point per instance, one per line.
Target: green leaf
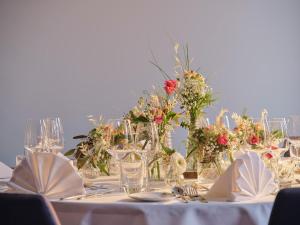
(70, 152)
(81, 162)
(168, 150)
(102, 167)
(81, 136)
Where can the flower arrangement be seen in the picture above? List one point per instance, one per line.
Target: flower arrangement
(249, 133)
(191, 91)
(91, 150)
(209, 142)
(158, 107)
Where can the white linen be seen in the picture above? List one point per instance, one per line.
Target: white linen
(46, 173)
(247, 178)
(5, 171)
(118, 209)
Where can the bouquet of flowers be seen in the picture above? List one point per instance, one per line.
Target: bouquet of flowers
(158, 107)
(209, 142)
(91, 150)
(249, 133)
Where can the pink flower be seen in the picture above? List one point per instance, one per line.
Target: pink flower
(170, 86)
(254, 140)
(158, 119)
(222, 140)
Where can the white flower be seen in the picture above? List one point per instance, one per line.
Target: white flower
(179, 162)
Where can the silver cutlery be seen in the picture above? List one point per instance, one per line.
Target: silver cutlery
(188, 193)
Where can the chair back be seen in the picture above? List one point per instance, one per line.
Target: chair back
(286, 208)
(26, 209)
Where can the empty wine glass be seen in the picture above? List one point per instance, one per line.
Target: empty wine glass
(121, 142)
(45, 135)
(33, 135)
(53, 140)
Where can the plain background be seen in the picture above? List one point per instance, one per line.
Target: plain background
(79, 57)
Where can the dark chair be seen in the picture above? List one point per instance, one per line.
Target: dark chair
(26, 209)
(286, 208)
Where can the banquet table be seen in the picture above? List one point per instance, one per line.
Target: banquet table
(118, 208)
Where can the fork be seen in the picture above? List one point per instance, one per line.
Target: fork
(193, 193)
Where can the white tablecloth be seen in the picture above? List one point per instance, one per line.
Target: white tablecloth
(118, 209)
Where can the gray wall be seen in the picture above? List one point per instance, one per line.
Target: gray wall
(79, 57)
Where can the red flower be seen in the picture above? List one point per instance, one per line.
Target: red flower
(158, 119)
(222, 140)
(268, 155)
(254, 140)
(170, 86)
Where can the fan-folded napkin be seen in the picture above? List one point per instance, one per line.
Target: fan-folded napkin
(5, 171)
(48, 174)
(247, 178)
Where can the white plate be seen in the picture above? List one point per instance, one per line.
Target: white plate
(152, 196)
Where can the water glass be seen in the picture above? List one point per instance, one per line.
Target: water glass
(132, 176)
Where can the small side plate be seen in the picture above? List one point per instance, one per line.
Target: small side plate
(152, 196)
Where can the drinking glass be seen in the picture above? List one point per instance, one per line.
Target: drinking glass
(121, 142)
(33, 136)
(146, 144)
(132, 174)
(277, 135)
(262, 122)
(44, 135)
(294, 128)
(53, 140)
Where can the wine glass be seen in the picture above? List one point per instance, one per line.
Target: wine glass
(262, 124)
(277, 135)
(121, 142)
(294, 138)
(146, 144)
(33, 136)
(44, 135)
(53, 140)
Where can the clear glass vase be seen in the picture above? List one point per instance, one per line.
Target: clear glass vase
(190, 145)
(172, 176)
(90, 172)
(208, 171)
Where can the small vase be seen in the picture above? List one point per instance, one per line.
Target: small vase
(157, 171)
(172, 177)
(194, 124)
(207, 172)
(90, 172)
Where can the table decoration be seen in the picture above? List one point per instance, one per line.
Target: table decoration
(48, 174)
(247, 178)
(158, 107)
(91, 155)
(250, 134)
(209, 146)
(191, 91)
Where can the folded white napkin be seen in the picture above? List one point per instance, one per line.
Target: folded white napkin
(48, 174)
(5, 171)
(247, 178)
